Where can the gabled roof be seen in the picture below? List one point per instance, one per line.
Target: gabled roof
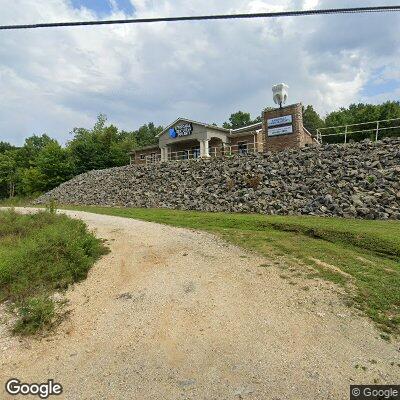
(218, 128)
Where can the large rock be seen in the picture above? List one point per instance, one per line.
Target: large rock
(360, 180)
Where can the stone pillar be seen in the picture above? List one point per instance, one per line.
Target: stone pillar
(164, 154)
(201, 148)
(204, 149)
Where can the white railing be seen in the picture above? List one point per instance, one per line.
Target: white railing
(375, 127)
(183, 155)
(152, 159)
(229, 150)
(218, 151)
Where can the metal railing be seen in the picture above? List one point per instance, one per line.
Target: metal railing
(354, 131)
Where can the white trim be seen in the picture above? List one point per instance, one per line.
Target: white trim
(217, 128)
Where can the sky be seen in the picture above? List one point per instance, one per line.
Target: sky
(52, 80)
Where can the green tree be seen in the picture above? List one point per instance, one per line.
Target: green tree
(31, 148)
(8, 174)
(54, 164)
(146, 135)
(363, 113)
(239, 120)
(31, 181)
(4, 146)
(311, 119)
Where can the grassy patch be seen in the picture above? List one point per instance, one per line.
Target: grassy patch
(40, 254)
(35, 314)
(362, 256)
(17, 201)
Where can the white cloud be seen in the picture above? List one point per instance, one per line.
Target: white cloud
(53, 80)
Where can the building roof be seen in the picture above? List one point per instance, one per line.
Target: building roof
(248, 128)
(153, 146)
(194, 122)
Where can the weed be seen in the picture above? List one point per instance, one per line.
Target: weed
(253, 181)
(385, 337)
(51, 206)
(34, 315)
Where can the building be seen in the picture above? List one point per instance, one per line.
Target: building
(185, 139)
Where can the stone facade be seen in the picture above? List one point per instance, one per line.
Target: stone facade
(359, 180)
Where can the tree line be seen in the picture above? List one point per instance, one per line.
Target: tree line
(42, 163)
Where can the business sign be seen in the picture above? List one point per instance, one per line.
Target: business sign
(286, 119)
(181, 130)
(281, 130)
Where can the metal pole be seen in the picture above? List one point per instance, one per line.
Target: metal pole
(377, 131)
(345, 135)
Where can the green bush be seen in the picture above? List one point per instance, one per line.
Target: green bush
(41, 253)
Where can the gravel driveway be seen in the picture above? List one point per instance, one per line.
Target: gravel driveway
(176, 314)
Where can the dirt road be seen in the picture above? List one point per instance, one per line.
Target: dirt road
(176, 314)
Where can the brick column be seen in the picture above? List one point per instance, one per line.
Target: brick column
(278, 135)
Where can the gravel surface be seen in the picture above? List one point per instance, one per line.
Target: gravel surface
(177, 314)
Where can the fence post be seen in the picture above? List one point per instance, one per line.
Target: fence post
(345, 134)
(377, 131)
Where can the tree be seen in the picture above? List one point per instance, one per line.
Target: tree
(31, 181)
(54, 165)
(239, 120)
(362, 113)
(31, 148)
(8, 173)
(146, 135)
(4, 146)
(311, 119)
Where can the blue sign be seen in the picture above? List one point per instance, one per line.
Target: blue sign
(172, 133)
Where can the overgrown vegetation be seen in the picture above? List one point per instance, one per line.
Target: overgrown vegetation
(40, 254)
(362, 256)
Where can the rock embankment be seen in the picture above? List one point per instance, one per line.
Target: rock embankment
(360, 180)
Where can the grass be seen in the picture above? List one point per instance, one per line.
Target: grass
(17, 201)
(40, 254)
(363, 256)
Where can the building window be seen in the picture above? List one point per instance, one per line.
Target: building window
(153, 156)
(242, 148)
(142, 156)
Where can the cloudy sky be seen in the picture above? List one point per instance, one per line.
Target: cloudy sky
(52, 80)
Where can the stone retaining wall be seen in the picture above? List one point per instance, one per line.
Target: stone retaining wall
(359, 180)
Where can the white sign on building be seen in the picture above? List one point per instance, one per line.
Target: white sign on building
(286, 119)
(282, 130)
